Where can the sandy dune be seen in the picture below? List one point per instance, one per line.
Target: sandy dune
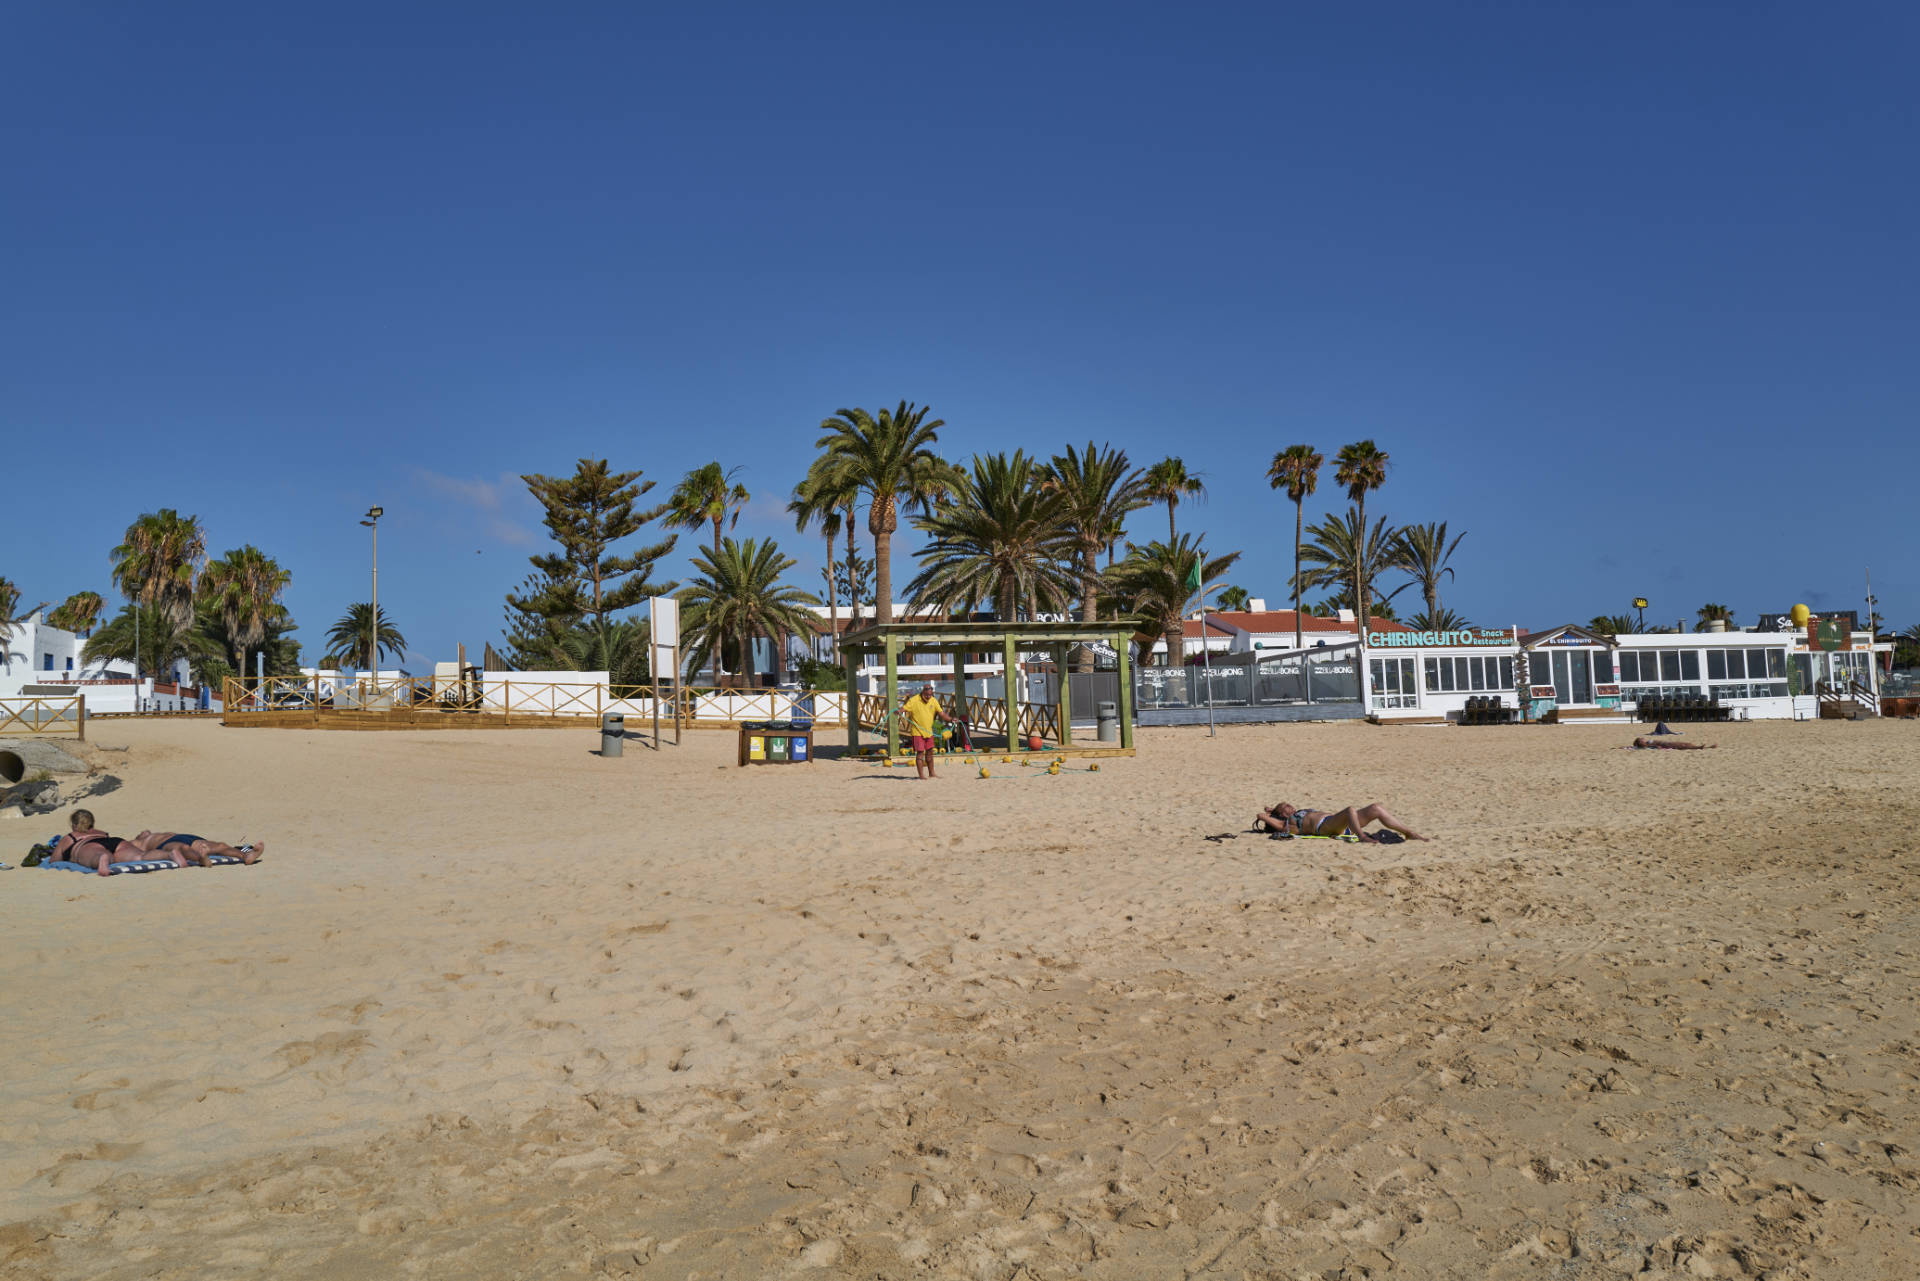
(495, 1007)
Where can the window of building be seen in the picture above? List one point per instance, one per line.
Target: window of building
(46, 662)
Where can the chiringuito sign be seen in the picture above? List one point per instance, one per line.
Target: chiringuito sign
(1460, 638)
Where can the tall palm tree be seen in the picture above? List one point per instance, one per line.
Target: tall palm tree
(616, 646)
(77, 612)
(12, 617)
(1232, 598)
(1096, 489)
(1168, 481)
(1152, 584)
(999, 538)
(347, 641)
(889, 458)
(707, 495)
(1424, 553)
(1337, 556)
(1710, 613)
(158, 562)
(815, 502)
(245, 586)
(1611, 624)
(1296, 469)
(737, 596)
(1362, 468)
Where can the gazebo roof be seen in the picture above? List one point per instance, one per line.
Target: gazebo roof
(931, 634)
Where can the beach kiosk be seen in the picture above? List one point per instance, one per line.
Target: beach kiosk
(1571, 674)
(1010, 715)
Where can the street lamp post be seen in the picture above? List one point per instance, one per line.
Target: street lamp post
(372, 522)
(1640, 603)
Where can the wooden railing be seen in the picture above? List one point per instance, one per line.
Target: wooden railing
(690, 707)
(39, 714)
(980, 712)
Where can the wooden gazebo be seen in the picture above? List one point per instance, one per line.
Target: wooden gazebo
(1005, 641)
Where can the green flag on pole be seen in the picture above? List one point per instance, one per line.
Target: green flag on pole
(1193, 576)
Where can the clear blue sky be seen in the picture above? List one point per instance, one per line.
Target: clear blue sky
(1626, 291)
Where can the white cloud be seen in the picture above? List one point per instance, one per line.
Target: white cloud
(485, 499)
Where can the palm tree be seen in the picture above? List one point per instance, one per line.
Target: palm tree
(158, 562)
(888, 457)
(1296, 469)
(1444, 620)
(1338, 557)
(347, 641)
(1232, 598)
(77, 612)
(707, 495)
(999, 537)
(1097, 490)
(1424, 553)
(11, 617)
(1611, 624)
(245, 586)
(616, 646)
(815, 502)
(1710, 613)
(1362, 468)
(1168, 481)
(1152, 584)
(153, 638)
(737, 596)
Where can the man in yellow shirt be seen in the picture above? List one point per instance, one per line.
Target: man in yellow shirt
(921, 712)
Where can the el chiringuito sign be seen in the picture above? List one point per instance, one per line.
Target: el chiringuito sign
(1459, 638)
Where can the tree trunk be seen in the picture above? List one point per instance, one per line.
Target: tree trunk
(1173, 634)
(716, 535)
(853, 588)
(881, 522)
(778, 638)
(1089, 606)
(833, 606)
(1299, 505)
(1172, 537)
(1360, 602)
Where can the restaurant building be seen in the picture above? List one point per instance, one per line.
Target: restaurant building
(1573, 673)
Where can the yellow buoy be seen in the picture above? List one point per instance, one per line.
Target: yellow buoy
(1094, 768)
(983, 772)
(1799, 614)
(1054, 768)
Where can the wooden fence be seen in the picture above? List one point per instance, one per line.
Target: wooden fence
(501, 701)
(981, 714)
(40, 714)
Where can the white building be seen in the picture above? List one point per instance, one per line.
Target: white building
(43, 660)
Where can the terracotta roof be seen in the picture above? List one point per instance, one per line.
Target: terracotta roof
(1275, 622)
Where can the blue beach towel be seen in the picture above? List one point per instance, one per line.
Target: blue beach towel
(143, 865)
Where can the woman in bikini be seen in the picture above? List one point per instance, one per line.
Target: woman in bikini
(197, 848)
(90, 847)
(1289, 820)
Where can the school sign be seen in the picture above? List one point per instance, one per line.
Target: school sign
(1461, 638)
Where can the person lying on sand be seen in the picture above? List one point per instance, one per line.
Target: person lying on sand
(197, 848)
(1291, 821)
(90, 847)
(1667, 746)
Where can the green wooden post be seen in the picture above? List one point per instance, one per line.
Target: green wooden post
(1010, 686)
(893, 696)
(1126, 690)
(852, 660)
(959, 686)
(1066, 700)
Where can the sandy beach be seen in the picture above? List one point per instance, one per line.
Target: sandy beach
(496, 1007)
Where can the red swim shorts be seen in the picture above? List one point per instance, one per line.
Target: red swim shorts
(921, 744)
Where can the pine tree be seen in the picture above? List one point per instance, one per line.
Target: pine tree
(584, 583)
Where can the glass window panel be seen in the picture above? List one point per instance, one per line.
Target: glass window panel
(1506, 673)
(1743, 663)
(1690, 664)
(1477, 672)
(1670, 665)
(1446, 674)
(1629, 665)
(1433, 673)
(1777, 664)
(1717, 664)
